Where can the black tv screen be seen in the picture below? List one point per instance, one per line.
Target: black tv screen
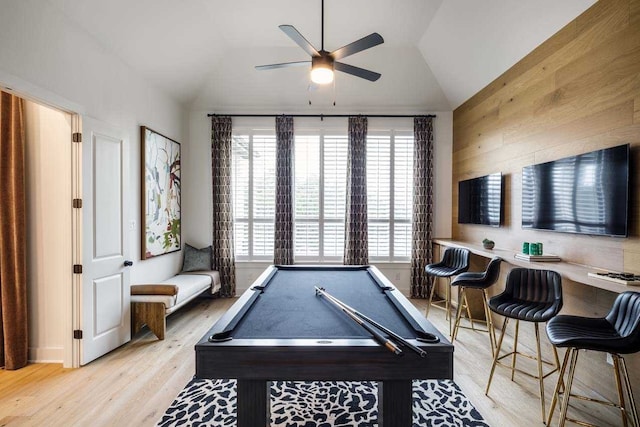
(587, 194)
(480, 200)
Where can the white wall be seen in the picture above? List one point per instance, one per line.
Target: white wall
(197, 199)
(45, 56)
(48, 181)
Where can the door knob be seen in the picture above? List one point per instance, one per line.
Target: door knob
(128, 263)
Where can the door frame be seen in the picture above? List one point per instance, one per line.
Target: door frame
(19, 87)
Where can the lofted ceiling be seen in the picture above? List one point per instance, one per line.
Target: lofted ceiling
(436, 54)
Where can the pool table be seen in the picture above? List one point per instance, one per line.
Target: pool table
(279, 329)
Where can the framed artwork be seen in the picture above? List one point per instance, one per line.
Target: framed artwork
(160, 194)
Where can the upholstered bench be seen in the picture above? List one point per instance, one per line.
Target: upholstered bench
(151, 303)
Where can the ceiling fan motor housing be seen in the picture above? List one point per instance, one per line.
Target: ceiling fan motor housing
(323, 61)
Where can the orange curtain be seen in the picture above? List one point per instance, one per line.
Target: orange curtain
(13, 270)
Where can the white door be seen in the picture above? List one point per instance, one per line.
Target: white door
(104, 292)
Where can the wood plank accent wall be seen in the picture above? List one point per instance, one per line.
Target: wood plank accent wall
(578, 91)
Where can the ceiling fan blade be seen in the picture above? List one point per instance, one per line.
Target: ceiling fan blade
(282, 65)
(357, 71)
(373, 39)
(295, 35)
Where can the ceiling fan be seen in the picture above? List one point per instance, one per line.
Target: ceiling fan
(324, 63)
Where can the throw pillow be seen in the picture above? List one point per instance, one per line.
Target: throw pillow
(196, 259)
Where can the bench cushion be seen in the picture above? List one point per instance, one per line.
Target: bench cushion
(188, 286)
(154, 290)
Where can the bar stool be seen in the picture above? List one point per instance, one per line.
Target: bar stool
(482, 281)
(454, 261)
(533, 296)
(617, 333)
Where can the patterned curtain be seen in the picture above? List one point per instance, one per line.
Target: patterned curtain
(356, 236)
(283, 241)
(223, 244)
(13, 235)
(421, 248)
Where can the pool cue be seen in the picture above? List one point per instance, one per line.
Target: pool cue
(384, 329)
(385, 342)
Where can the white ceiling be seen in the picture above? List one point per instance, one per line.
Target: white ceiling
(436, 54)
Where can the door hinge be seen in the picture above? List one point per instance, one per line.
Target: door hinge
(77, 269)
(77, 334)
(77, 203)
(76, 137)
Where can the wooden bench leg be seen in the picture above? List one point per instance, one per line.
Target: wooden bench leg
(150, 314)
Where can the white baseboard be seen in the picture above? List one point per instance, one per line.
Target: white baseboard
(46, 354)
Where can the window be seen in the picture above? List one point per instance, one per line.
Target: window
(319, 195)
(389, 195)
(254, 187)
(320, 191)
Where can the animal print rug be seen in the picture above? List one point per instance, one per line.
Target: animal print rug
(320, 404)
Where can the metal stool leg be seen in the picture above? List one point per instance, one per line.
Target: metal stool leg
(497, 355)
(627, 384)
(515, 350)
(433, 289)
(463, 304)
(567, 390)
(559, 385)
(456, 324)
(616, 369)
(540, 375)
(487, 314)
(447, 303)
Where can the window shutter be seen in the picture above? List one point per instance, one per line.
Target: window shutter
(403, 195)
(379, 194)
(264, 190)
(335, 193)
(240, 182)
(307, 195)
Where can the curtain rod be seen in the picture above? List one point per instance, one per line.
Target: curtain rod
(322, 116)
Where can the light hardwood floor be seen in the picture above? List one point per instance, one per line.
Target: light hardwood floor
(134, 384)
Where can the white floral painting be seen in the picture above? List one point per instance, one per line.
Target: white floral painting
(160, 194)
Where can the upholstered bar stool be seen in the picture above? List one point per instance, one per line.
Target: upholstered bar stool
(454, 261)
(533, 296)
(482, 281)
(617, 333)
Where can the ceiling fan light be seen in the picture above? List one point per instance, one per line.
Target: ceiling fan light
(322, 69)
(321, 75)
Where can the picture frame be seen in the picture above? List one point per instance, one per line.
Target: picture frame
(161, 171)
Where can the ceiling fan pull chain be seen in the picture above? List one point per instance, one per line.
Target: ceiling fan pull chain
(334, 92)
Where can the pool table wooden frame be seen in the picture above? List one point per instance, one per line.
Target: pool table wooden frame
(255, 362)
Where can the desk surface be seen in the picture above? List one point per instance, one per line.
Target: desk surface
(574, 272)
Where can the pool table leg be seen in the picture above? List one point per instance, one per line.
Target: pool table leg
(395, 407)
(253, 403)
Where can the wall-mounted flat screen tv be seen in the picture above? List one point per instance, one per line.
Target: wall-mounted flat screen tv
(587, 194)
(480, 200)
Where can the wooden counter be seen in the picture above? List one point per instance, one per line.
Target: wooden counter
(574, 272)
